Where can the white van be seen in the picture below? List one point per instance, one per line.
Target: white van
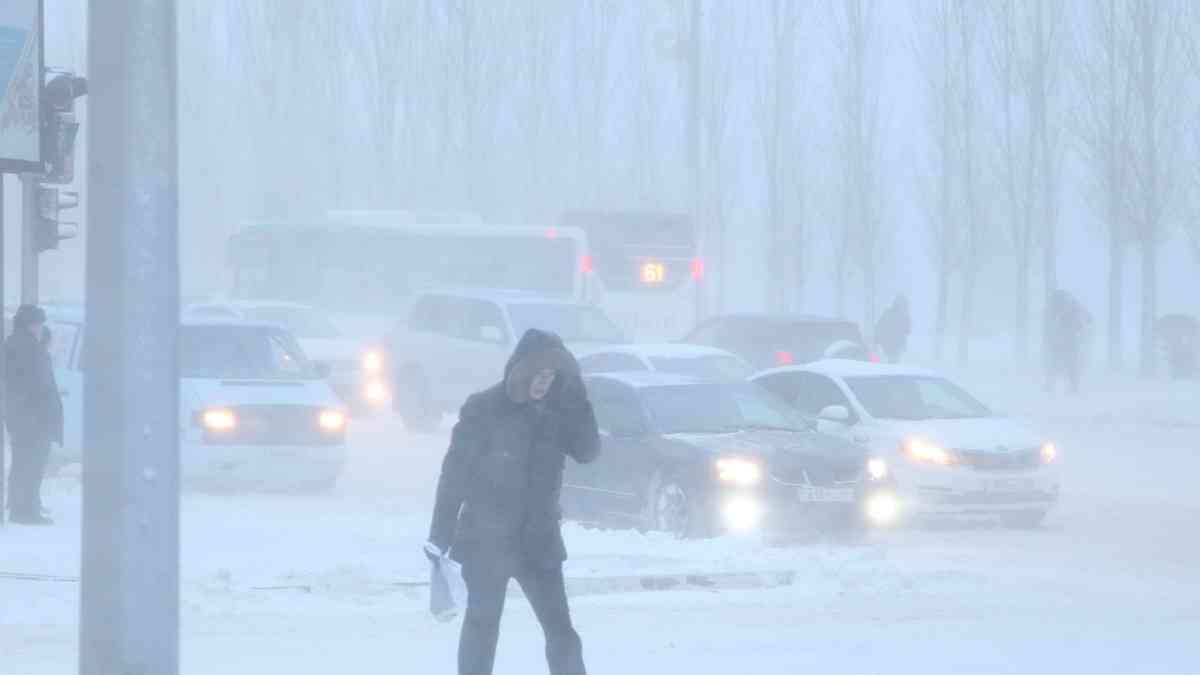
(253, 412)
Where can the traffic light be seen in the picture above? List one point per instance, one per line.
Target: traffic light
(49, 230)
(60, 127)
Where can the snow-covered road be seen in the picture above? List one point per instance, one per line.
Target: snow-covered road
(297, 585)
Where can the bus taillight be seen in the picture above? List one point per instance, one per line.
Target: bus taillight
(585, 264)
(697, 268)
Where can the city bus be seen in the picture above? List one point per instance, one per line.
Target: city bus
(646, 272)
(363, 270)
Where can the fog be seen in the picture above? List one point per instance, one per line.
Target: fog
(832, 155)
(520, 111)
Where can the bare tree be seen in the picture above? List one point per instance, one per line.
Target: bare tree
(937, 56)
(857, 82)
(592, 29)
(778, 89)
(724, 40)
(1103, 127)
(1154, 54)
(966, 22)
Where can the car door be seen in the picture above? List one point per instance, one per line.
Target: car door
(65, 342)
(626, 461)
(487, 339)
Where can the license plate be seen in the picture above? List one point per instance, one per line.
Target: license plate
(1009, 485)
(825, 495)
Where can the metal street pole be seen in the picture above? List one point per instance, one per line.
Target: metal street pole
(29, 255)
(129, 608)
(3, 379)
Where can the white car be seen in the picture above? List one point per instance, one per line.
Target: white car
(356, 369)
(253, 414)
(698, 361)
(453, 343)
(945, 453)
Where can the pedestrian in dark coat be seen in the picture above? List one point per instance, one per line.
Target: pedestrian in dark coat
(497, 510)
(1066, 326)
(893, 329)
(33, 412)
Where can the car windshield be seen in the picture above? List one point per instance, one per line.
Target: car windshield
(717, 408)
(301, 322)
(251, 352)
(709, 367)
(915, 398)
(573, 323)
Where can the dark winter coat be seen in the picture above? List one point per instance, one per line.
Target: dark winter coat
(893, 328)
(33, 405)
(1066, 325)
(498, 495)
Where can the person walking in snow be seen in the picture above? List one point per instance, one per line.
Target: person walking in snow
(33, 412)
(1066, 326)
(893, 328)
(497, 508)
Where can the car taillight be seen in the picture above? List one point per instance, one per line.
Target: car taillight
(585, 264)
(784, 358)
(873, 357)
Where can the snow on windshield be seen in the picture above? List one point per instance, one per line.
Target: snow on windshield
(914, 398)
(240, 352)
(573, 323)
(715, 408)
(716, 367)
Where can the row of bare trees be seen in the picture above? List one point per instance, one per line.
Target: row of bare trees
(1017, 91)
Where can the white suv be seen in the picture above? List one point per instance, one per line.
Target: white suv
(453, 343)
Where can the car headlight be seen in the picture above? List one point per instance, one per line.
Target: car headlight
(372, 362)
(376, 392)
(218, 420)
(923, 451)
(332, 420)
(1049, 453)
(877, 468)
(739, 471)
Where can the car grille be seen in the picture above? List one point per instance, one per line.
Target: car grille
(1019, 460)
(825, 474)
(277, 425)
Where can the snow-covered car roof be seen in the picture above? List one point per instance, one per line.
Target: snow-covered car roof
(240, 305)
(851, 368)
(652, 350)
(642, 379)
(501, 296)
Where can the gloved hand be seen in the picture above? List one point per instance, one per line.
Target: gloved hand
(434, 552)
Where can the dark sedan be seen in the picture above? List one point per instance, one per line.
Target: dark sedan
(699, 458)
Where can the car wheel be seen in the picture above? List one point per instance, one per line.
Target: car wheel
(673, 508)
(1030, 520)
(414, 401)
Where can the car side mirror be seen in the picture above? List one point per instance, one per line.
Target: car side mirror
(491, 334)
(322, 370)
(835, 413)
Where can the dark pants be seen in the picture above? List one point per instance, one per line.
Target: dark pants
(1063, 368)
(547, 595)
(25, 477)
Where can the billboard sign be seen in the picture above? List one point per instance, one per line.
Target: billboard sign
(20, 86)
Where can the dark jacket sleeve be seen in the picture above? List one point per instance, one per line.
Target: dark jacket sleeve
(582, 440)
(454, 481)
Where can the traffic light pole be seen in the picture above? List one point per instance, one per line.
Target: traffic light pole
(129, 608)
(3, 379)
(30, 219)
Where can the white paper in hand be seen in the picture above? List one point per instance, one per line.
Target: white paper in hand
(447, 591)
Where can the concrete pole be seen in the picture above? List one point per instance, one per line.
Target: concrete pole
(129, 607)
(29, 255)
(3, 379)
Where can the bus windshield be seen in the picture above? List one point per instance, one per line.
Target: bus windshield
(364, 269)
